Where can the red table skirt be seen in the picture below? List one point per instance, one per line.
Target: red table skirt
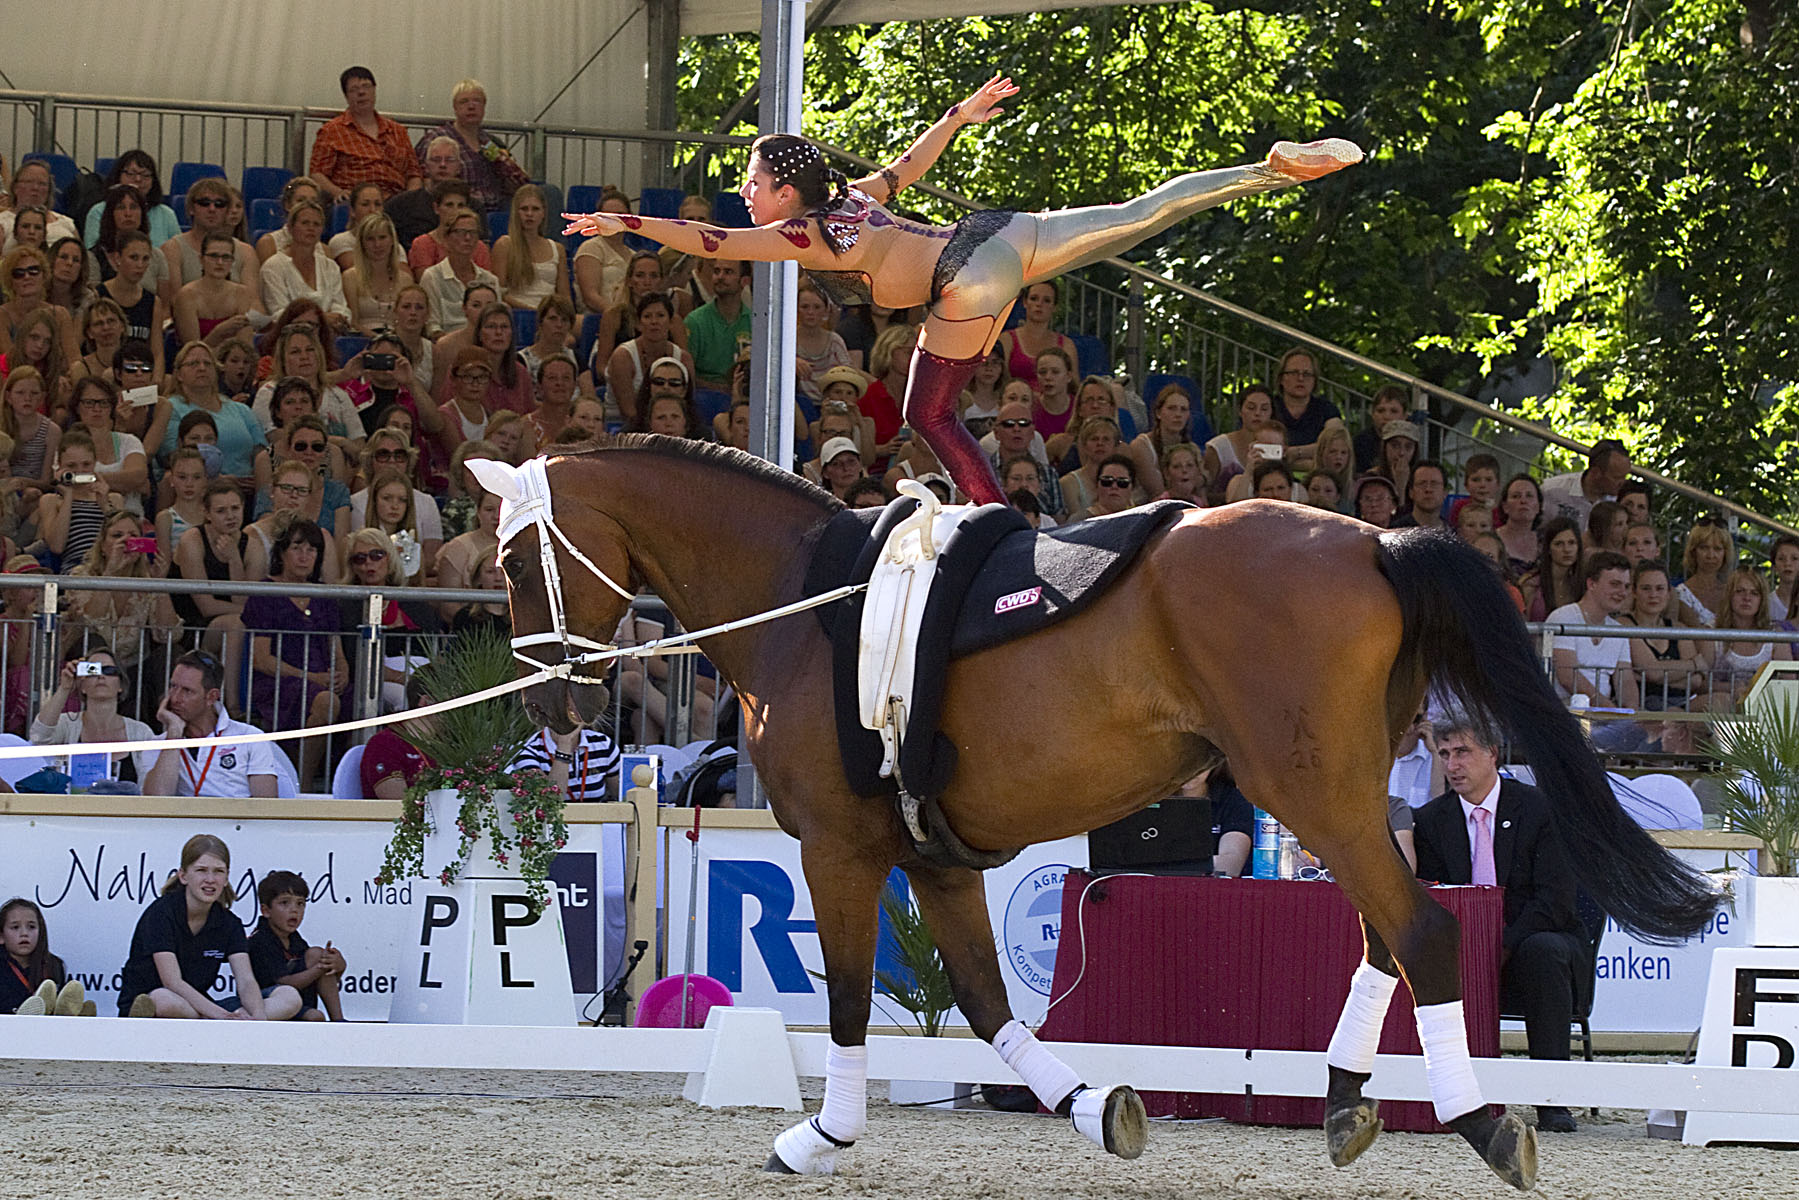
(1250, 964)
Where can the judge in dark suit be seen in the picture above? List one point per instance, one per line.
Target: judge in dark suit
(1489, 830)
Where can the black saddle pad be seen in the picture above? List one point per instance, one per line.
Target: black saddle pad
(997, 579)
(1029, 581)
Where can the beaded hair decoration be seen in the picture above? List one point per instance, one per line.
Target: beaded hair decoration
(790, 160)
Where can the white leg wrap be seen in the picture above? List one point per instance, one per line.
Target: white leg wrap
(1447, 1065)
(1045, 1074)
(844, 1114)
(1357, 1038)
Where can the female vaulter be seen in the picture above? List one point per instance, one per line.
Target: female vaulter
(968, 274)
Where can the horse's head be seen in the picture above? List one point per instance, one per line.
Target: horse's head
(564, 575)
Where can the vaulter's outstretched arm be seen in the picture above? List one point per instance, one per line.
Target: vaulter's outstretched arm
(793, 240)
(910, 167)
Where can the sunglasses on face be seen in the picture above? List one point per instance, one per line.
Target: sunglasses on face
(1017, 423)
(307, 447)
(220, 256)
(27, 271)
(211, 202)
(1115, 481)
(389, 455)
(367, 556)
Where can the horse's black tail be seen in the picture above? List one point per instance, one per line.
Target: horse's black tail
(1463, 634)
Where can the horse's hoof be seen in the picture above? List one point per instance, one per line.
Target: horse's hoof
(1349, 1131)
(805, 1149)
(1512, 1152)
(1112, 1118)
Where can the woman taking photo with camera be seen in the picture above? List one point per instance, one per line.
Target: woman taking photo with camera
(95, 676)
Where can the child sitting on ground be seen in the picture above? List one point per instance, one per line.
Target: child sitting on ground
(34, 982)
(280, 956)
(182, 940)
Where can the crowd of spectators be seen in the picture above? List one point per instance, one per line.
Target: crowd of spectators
(175, 404)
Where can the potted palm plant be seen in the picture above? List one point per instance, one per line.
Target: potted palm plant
(467, 815)
(1760, 757)
(919, 983)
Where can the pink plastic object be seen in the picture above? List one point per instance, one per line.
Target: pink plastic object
(660, 1007)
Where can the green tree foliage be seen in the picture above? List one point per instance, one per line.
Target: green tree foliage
(1610, 183)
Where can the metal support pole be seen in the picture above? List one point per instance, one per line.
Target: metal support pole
(662, 48)
(1133, 336)
(773, 341)
(681, 670)
(46, 647)
(46, 129)
(368, 661)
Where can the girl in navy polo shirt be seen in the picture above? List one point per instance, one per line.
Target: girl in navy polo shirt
(182, 940)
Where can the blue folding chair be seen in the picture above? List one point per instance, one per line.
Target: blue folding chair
(264, 183)
(590, 333)
(62, 168)
(1091, 355)
(661, 202)
(266, 214)
(584, 197)
(729, 210)
(1201, 425)
(186, 174)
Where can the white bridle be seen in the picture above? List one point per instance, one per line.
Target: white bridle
(525, 498)
(524, 493)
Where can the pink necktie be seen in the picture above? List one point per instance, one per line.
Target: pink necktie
(1484, 874)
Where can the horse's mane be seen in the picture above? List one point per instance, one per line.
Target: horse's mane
(727, 458)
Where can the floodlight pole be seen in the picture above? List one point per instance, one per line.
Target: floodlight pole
(773, 341)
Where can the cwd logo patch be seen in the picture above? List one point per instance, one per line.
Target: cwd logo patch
(1024, 599)
(1033, 926)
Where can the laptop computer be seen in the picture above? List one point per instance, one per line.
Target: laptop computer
(1170, 837)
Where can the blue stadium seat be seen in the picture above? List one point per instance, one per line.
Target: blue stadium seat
(638, 244)
(1127, 426)
(660, 202)
(1201, 426)
(103, 166)
(582, 198)
(186, 173)
(1091, 355)
(178, 204)
(349, 345)
(590, 333)
(340, 220)
(497, 223)
(266, 214)
(729, 210)
(264, 183)
(524, 326)
(62, 168)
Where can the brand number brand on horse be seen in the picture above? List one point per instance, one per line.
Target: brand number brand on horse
(1024, 599)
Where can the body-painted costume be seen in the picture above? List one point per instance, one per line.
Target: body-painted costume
(976, 267)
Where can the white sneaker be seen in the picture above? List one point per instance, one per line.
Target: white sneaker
(1313, 160)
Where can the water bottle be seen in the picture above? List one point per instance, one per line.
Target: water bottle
(1267, 845)
(1289, 856)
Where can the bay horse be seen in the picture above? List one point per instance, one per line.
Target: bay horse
(1192, 655)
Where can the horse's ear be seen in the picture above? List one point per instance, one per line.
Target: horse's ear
(497, 477)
